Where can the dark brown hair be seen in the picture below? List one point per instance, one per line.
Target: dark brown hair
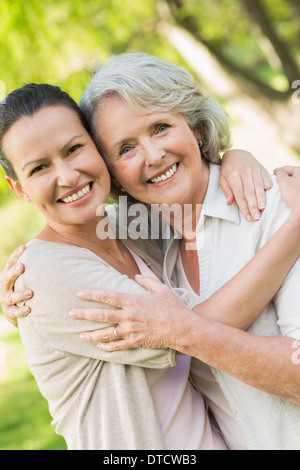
(26, 101)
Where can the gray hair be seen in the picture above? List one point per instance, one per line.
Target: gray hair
(150, 83)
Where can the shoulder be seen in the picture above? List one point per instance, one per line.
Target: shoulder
(52, 255)
(66, 269)
(49, 265)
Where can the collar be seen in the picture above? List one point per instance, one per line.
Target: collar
(215, 204)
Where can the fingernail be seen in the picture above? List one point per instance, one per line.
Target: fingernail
(27, 293)
(19, 268)
(257, 216)
(72, 314)
(249, 218)
(262, 205)
(25, 309)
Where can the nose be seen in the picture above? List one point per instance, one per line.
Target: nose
(152, 153)
(66, 175)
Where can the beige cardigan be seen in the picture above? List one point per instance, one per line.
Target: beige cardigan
(98, 400)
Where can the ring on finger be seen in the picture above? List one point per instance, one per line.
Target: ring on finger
(116, 334)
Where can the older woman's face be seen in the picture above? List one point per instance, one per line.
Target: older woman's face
(155, 157)
(58, 166)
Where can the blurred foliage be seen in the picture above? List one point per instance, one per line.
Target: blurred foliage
(25, 420)
(256, 40)
(63, 42)
(21, 222)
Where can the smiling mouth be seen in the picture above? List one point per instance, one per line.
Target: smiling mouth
(79, 195)
(165, 176)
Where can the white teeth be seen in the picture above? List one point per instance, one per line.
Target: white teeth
(166, 175)
(82, 192)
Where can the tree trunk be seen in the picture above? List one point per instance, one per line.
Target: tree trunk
(257, 12)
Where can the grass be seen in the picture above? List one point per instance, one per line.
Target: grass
(25, 422)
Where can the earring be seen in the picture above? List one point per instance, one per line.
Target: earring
(200, 143)
(27, 198)
(122, 190)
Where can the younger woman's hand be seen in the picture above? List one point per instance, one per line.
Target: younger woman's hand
(244, 180)
(8, 297)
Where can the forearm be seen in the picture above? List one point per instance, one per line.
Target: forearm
(265, 363)
(256, 284)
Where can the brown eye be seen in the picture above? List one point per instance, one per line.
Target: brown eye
(37, 169)
(74, 148)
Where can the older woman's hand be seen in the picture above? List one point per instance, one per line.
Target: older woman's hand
(288, 178)
(245, 180)
(8, 297)
(150, 321)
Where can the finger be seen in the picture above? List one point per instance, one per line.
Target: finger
(261, 198)
(103, 336)
(287, 169)
(150, 283)
(281, 176)
(114, 299)
(10, 276)
(99, 315)
(14, 298)
(13, 259)
(255, 194)
(14, 312)
(237, 187)
(268, 183)
(226, 190)
(114, 346)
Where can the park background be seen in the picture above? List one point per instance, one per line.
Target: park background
(246, 54)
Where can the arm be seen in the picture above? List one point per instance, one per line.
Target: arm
(242, 355)
(65, 268)
(242, 179)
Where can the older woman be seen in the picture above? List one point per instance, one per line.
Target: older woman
(149, 117)
(47, 149)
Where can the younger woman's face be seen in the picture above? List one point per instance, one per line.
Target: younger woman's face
(58, 166)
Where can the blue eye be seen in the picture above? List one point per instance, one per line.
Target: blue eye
(162, 127)
(125, 150)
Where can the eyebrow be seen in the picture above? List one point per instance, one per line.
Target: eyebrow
(62, 149)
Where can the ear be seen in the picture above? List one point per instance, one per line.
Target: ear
(17, 188)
